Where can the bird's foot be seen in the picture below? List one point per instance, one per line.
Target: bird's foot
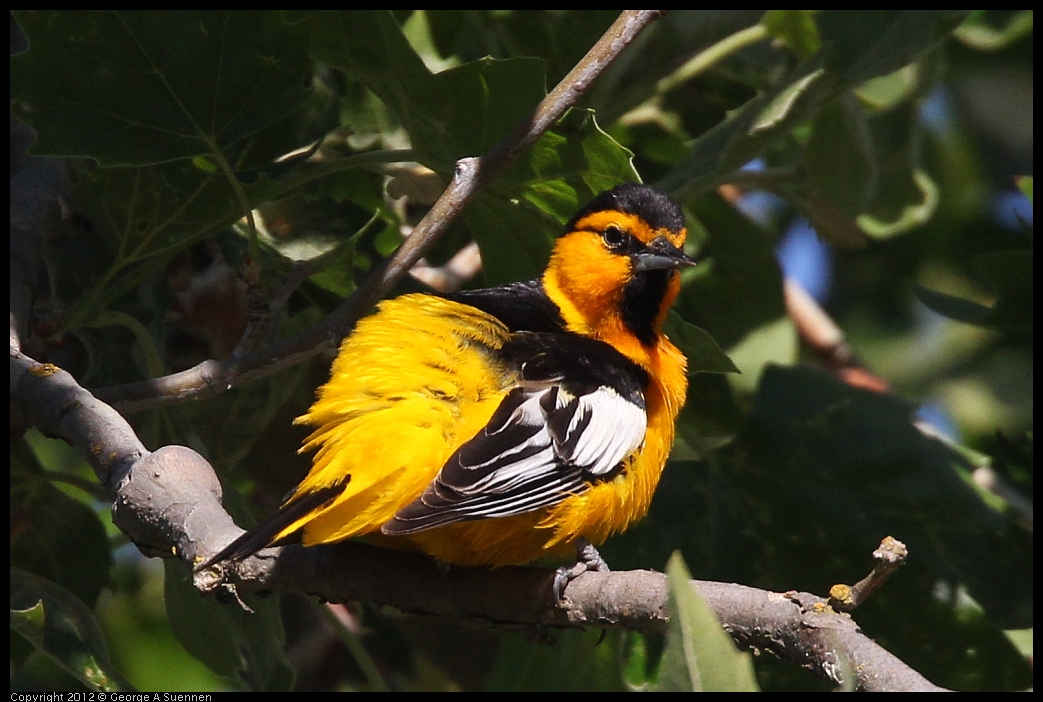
(587, 558)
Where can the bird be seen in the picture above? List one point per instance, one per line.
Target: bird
(498, 426)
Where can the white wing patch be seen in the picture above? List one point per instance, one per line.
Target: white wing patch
(610, 429)
(540, 446)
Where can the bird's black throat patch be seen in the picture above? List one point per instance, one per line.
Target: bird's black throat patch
(642, 303)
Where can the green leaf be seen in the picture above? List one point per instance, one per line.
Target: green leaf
(156, 209)
(859, 51)
(568, 166)
(463, 111)
(978, 33)
(771, 343)
(782, 105)
(699, 656)
(337, 274)
(953, 307)
(1010, 276)
(702, 352)
(515, 220)
(244, 645)
(148, 87)
(147, 214)
(749, 131)
(841, 173)
(884, 92)
(736, 297)
(55, 536)
(848, 466)
(908, 197)
(232, 424)
(839, 159)
(712, 415)
(738, 288)
(829, 221)
(559, 37)
(572, 661)
(418, 31)
(796, 29)
(1024, 184)
(459, 112)
(60, 626)
(871, 43)
(515, 239)
(919, 199)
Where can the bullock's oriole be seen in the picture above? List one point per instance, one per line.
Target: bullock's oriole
(496, 426)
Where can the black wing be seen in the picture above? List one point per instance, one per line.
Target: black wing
(577, 414)
(522, 307)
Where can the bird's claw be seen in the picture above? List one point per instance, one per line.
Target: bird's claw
(587, 558)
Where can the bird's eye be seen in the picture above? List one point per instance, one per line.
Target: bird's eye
(614, 237)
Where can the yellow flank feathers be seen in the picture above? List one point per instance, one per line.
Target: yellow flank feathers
(497, 426)
(403, 395)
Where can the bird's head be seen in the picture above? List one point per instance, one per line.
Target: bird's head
(615, 270)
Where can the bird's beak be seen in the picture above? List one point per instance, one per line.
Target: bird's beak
(660, 254)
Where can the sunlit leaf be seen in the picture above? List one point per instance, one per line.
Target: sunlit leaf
(910, 196)
(1024, 184)
(699, 655)
(515, 220)
(796, 28)
(978, 33)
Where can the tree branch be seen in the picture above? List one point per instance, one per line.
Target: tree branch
(822, 335)
(797, 627)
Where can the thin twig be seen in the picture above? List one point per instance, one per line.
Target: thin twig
(890, 556)
(462, 267)
(984, 475)
(826, 340)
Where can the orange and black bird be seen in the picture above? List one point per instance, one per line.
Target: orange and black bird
(496, 426)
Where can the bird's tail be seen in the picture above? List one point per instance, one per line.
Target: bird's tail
(268, 532)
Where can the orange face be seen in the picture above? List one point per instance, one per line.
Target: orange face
(631, 224)
(593, 265)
